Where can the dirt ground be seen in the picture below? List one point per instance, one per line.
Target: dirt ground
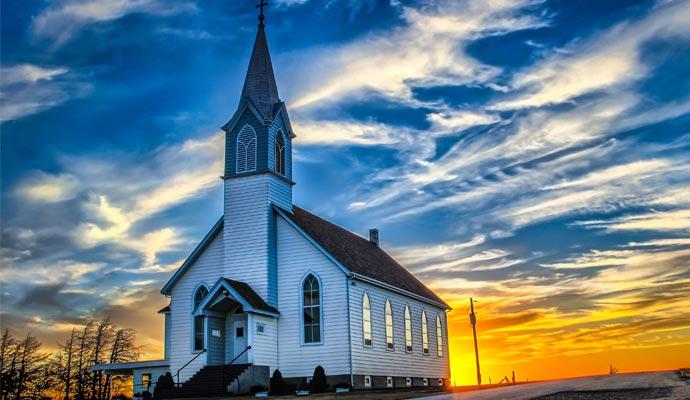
(665, 385)
(397, 394)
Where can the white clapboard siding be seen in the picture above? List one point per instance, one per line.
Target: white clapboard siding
(377, 359)
(248, 219)
(296, 257)
(206, 269)
(265, 346)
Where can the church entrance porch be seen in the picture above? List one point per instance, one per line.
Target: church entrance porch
(229, 308)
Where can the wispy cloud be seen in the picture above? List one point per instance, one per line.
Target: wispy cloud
(47, 188)
(427, 51)
(113, 205)
(604, 61)
(347, 133)
(62, 20)
(29, 89)
(678, 220)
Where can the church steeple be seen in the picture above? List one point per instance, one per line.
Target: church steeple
(258, 175)
(260, 83)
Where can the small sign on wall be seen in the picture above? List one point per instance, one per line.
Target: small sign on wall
(215, 332)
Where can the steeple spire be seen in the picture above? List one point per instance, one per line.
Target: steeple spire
(260, 84)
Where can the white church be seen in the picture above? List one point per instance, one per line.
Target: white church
(273, 286)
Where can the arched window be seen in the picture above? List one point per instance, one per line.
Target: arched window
(280, 153)
(408, 329)
(425, 334)
(311, 309)
(439, 336)
(366, 319)
(390, 344)
(199, 320)
(199, 295)
(246, 150)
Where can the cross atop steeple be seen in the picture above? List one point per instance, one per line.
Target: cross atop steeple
(261, 6)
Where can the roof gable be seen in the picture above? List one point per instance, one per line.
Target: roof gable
(360, 256)
(217, 228)
(239, 291)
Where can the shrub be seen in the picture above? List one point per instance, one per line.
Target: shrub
(343, 385)
(278, 386)
(258, 388)
(165, 382)
(146, 394)
(318, 381)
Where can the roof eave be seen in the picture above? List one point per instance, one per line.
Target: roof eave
(193, 257)
(245, 103)
(404, 292)
(328, 255)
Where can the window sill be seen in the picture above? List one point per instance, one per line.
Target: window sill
(312, 344)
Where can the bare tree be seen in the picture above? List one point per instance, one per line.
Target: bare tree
(7, 363)
(63, 363)
(123, 349)
(21, 364)
(103, 337)
(82, 364)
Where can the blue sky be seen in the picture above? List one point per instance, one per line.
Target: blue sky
(533, 154)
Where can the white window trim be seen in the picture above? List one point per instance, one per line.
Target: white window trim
(279, 132)
(425, 323)
(194, 292)
(301, 309)
(439, 336)
(392, 336)
(237, 151)
(371, 340)
(198, 287)
(205, 327)
(408, 329)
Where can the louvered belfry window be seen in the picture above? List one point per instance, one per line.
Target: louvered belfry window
(246, 150)
(280, 153)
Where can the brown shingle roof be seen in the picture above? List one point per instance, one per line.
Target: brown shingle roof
(164, 310)
(250, 296)
(359, 255)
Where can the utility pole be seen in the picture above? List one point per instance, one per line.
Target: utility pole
(473, 322)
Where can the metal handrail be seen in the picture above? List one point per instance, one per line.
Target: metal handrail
(188, 362)
(246, 349)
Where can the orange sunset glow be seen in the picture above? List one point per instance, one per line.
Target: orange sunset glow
(531, 155)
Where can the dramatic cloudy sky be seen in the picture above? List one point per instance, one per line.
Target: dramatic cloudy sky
(532, 154)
